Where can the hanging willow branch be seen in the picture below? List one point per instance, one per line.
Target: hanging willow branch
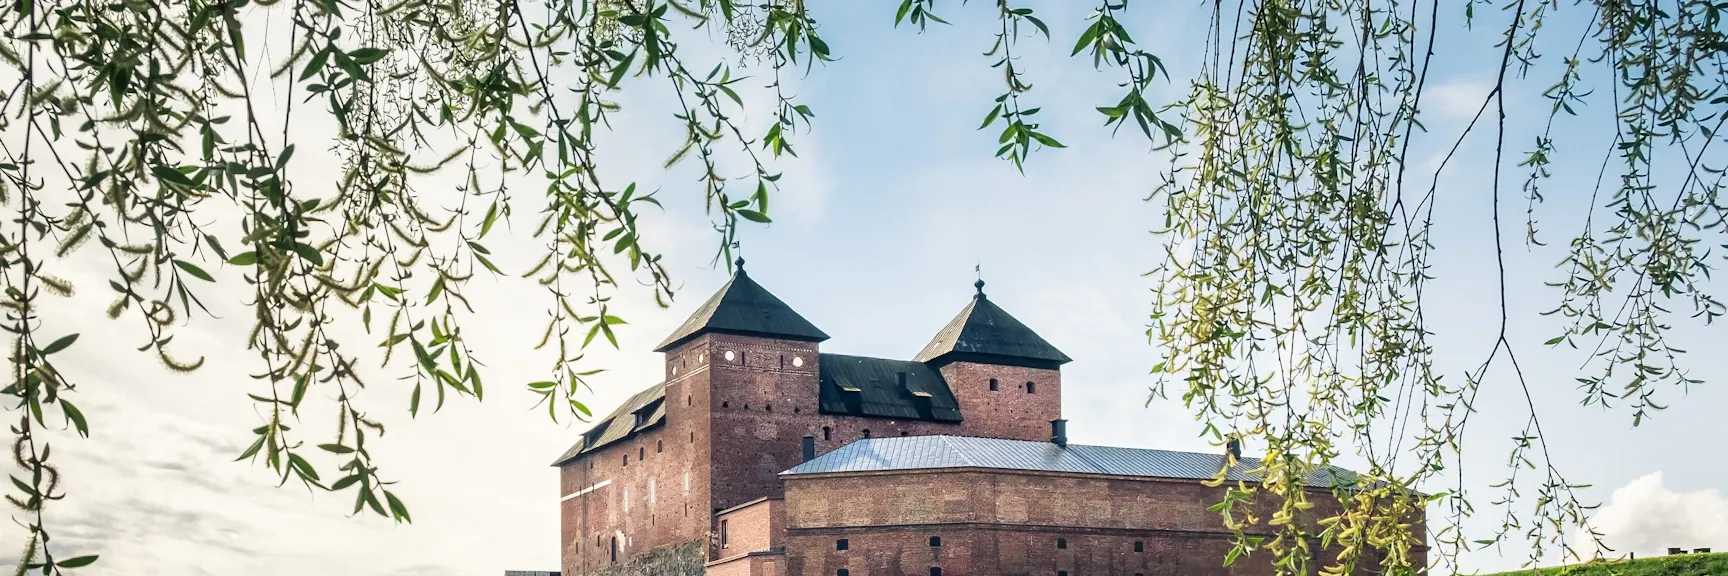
(158, 139)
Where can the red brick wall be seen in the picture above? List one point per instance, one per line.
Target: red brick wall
(661, 510)
(762, 405)
(1009, 411)
(1008, 522)
(754, 527)
(986, 551)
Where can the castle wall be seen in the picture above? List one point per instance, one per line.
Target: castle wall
(645, 492)
(1013, 522)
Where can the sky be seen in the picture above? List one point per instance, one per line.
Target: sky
(892, 203)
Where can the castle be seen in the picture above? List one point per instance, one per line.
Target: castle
(761, 455)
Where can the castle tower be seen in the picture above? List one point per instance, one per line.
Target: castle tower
(1006, 378)
(753, 366)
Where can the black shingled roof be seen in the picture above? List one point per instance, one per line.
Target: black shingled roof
(645, 410)
(984, 331)
(744, 307)
(862, 386)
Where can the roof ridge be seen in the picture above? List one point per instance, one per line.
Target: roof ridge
(948, 440)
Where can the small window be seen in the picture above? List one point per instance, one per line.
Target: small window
(842, 544)
(782, 361)
(827, 433)
(994, 385)
(725, 404)
(1061, 573)
(614, 549)
(692, 437)
(1031, 387)
(769, 407)
(723, 534)
(934, 571)
(1139, 546)
(1061, 543)
(689, 401)
(842, 572)
(935, 541)
(641, 453)
(905, 433)
(626, 459)
(866, 432)
(659, 446)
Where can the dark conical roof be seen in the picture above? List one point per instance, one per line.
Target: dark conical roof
(985, 332)
(744, 307)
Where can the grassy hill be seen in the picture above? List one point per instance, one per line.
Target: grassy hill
(1680, 565)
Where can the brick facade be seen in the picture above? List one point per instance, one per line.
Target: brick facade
(736, 409)
(991, 522)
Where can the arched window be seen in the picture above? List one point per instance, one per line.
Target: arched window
(905, 433)
(641, 453)
(659, 446)
(866, 432)
(827, 433)
(626, 459)
(614, 549)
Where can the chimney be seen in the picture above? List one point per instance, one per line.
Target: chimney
(1234, 446)
(1059, 432)
(809, 448)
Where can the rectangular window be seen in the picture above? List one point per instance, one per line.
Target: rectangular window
(1031, 388)
(842, 544)
(1139, 546)
(1061, 543)
(935, 541)
(723, 534)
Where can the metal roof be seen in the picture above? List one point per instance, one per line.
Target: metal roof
(862, 386)
(936, 452)
(645, 410)
(744, 307)
(986, 331)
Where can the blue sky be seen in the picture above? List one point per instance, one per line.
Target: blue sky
(894, 199)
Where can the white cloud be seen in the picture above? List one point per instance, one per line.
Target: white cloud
(1459, 98)
(1646, 517)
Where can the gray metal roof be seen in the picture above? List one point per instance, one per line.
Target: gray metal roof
(645, 410)
(985, 332)
(936, 452)
(744, 307)
(862, 386)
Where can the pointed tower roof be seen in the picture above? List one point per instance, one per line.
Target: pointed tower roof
(744, 307)
(985, 332)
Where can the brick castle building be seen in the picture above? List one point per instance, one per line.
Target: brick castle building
(760, 455)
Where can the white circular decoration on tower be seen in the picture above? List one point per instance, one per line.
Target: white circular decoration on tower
(730, 356)
(797, 361)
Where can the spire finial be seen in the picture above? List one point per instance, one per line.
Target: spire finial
(739, 264)
(979, 269)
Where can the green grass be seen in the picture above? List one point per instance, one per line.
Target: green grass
(1679, 565)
